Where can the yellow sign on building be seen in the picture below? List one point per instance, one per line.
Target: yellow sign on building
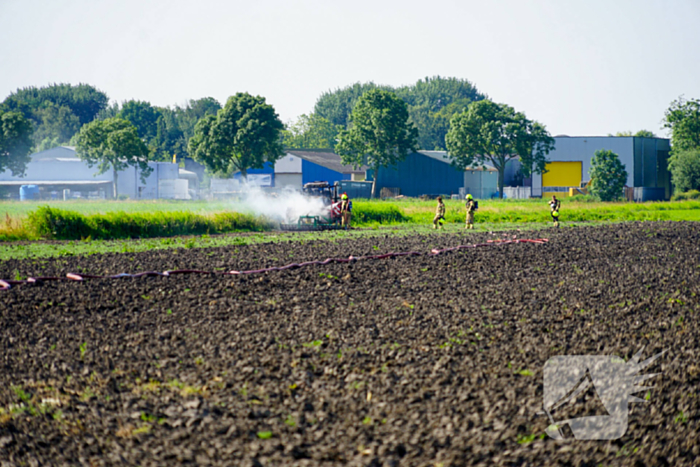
(561, 174)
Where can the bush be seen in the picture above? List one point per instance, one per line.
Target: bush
(685, 170)
(608, 175)
(60, 224)
(692, 194)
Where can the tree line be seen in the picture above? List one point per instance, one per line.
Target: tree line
(366, 124)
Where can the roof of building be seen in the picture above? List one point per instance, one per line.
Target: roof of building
(60, 153)
(442, 156)
(326, 158)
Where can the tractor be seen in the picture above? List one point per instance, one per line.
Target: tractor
(329, 216)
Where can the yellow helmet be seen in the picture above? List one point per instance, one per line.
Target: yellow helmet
(469, 196)
(344, 197)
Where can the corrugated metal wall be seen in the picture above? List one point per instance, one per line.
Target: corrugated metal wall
(481, 184)
(421, 175)
(316, 173)
(651, 164)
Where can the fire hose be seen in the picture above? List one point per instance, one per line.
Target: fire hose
(7, 284)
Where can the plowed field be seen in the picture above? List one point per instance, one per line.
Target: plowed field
(412, 361)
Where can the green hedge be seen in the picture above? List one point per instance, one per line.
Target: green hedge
(60, 224)
(691, 194)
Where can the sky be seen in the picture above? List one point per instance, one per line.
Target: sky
(582, 68)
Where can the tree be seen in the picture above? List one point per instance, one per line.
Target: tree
(57, 110)
(336, 106)
(496, 133)
(15, 142)
(608, 175)
(311, 132)
(58, 125)
(685, 170)
(431, 103)
(639, 134)
(380, 134)
(143, 116)
(113, 144)
(683, 119)
(245, 134)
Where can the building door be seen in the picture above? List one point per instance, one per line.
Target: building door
(560, 176)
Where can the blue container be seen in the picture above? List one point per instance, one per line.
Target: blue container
(28, 192)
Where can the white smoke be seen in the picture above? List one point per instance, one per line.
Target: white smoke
(285, 206)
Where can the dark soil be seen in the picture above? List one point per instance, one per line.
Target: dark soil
(410, 361)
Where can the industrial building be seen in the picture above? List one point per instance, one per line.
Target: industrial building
(58, 173)
(645, 160)
(431, 173)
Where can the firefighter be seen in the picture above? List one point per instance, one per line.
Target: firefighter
(439, 213)
(471, 207)
(554, 206)
(345, 210)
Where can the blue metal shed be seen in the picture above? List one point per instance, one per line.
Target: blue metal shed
(422, 173)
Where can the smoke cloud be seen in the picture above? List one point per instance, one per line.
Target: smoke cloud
(285, 206)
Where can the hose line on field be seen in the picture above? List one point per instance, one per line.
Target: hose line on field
(7, 284)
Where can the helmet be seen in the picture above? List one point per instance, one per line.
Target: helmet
(344, 196)
(469, 196)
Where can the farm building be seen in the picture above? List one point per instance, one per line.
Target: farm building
(302, 166)
(293, 170)
(58, 173)
(645, 159)
(430, 173)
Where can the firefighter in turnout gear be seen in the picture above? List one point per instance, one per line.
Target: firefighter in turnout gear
(554, 206)
(471, 208)
(439, 213)
(345, 210)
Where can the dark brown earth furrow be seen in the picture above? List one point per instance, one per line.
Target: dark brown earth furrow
(427, 360)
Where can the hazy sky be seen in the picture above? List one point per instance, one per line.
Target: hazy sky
(579, 67)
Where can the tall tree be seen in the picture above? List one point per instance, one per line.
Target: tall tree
(336, 106)
(144, 117)
(245, 134)
(58, 125)
(496, 133)
(113, 144)
(683, 119)
(311, 132)
(608, 175)
(431, 103)
(380, 134)
(685, 170)
(15, 142)
(57, 110)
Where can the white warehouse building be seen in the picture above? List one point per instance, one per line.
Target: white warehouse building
(58, 171)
